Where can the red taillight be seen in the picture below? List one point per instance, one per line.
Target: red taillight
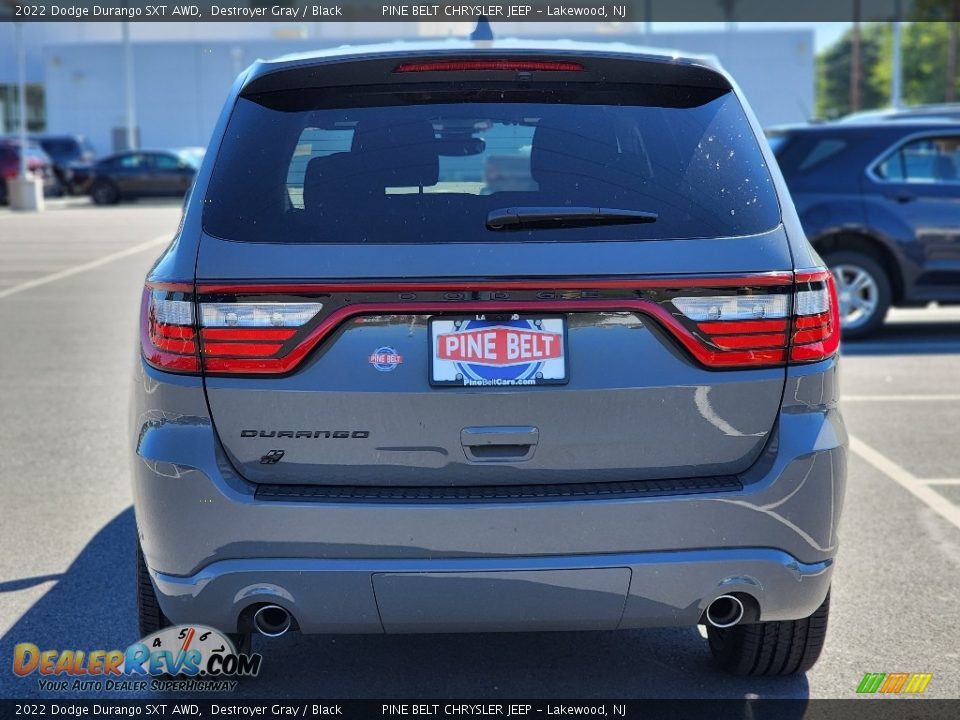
(247, 337)
(745, 327)
(757, 326)
(495, 64)
(723, 322)
(816, 318)
(167, 328)
(250, 334)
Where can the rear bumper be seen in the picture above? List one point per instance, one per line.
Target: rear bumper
(215, 549)
(592, 592)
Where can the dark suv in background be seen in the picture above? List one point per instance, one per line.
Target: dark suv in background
(73, 156)
(880, 201)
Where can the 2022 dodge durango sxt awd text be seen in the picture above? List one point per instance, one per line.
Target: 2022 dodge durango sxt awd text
(490, 339)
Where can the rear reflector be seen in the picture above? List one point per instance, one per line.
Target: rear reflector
(479, 65)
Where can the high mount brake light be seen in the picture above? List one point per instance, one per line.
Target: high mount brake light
(723, 322)
(495, 64)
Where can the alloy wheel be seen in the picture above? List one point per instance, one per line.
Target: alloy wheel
(858, 294)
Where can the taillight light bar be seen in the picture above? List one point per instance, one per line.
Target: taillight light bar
(768, 327)
(758, 320)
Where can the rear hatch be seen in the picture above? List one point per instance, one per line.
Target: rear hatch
(487, 273)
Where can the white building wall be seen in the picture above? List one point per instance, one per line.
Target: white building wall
(776, 70)
(181, 84)
(180, 88)
(40, 35)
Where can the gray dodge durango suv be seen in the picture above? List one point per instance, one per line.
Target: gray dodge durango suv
(490, 337)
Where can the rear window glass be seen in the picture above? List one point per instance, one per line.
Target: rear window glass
(293, 169)
(821, 151)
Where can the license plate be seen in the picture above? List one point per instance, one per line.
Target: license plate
(503, 350)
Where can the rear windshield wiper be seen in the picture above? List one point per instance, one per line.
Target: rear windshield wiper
(525, 218)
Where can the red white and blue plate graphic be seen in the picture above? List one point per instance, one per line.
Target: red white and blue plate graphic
(498, 351)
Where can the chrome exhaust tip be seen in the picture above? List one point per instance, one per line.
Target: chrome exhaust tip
(726, 611)
(271, 621)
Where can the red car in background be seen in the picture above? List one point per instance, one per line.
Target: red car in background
(38, 163)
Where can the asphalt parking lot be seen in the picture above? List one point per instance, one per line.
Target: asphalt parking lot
(70, 282)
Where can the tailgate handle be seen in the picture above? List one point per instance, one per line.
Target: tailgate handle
(499, 443)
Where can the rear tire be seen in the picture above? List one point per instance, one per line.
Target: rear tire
(866, 285)
(786, 647)
(150, 617)
(104, 193)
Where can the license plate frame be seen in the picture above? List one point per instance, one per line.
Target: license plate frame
(455, 363)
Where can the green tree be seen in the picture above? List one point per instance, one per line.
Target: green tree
(925, 51)
(833, 72)
(944, 11)
(925, 67)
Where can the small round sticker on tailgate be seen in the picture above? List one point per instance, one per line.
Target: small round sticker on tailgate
(385, 359)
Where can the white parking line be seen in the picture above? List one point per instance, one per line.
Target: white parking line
(897, 398)
(939, 481)
(934, 500)
(76, 269)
